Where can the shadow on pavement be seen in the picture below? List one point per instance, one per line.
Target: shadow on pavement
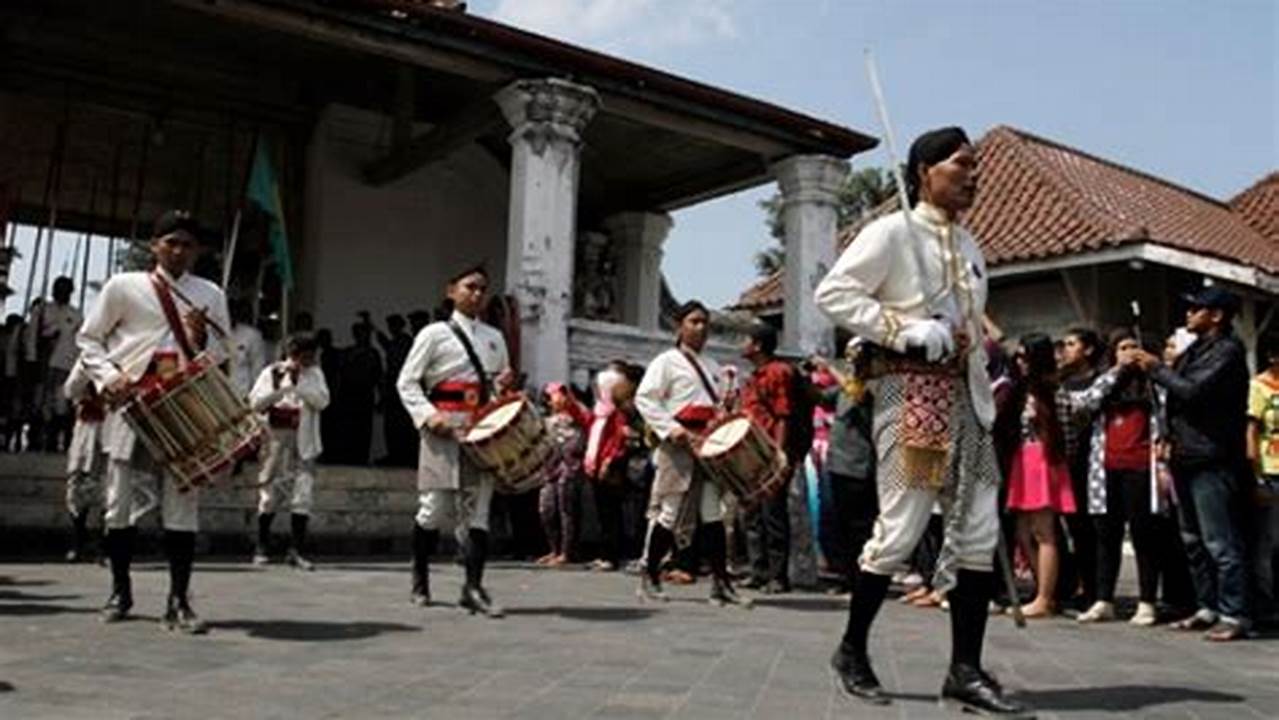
(19, 595)
(803, 604)
(26, 609)
(1120, 698)
(7, 581)
(311, 631)
(593, 614)
(6, 687)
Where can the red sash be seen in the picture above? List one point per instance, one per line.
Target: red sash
(695, 417)
(456, 395)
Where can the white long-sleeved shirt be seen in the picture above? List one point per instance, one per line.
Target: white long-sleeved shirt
(670, 384)
(437, 355)
(878, 287)
(309, 396)
(126, 326)
(248, 357)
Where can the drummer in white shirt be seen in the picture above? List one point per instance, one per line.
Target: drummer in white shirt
(291, 393)
(441, 388)
(126, 337)
(681, 393)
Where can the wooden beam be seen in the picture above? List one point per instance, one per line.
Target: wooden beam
(469, 124)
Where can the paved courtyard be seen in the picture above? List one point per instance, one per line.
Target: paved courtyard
(343, 642)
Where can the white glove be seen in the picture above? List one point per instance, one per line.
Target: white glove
(932, 336)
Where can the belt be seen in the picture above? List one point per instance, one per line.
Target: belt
(455, 396)
(873, 361)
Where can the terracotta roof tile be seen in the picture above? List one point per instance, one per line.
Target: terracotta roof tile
(1040, 199)
(1259, 207)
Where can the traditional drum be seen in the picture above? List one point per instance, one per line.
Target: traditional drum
(738, 455)
(193, 423)
(509, 439)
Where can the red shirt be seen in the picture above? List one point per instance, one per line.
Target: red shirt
(766, 397)
(1127, 438)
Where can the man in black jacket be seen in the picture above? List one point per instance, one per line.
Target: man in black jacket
(1207, 399)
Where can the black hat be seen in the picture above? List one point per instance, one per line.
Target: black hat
(689, 308)
(931, 148)
(1213, 298)
(174, 220)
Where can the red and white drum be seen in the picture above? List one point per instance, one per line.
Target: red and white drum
(509, 439)
(193, 423)
(739, 456)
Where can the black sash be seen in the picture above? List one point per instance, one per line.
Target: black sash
(706, 383)
(474, 358)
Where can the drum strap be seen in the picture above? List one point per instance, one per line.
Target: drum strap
(171, 315)
(475, 360)
(706, 382)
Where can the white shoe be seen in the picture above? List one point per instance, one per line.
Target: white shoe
(260, 559)
(1100, 611)
(1145, 615)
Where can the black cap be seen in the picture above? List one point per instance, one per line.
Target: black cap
(174, 220)
(1213, 298)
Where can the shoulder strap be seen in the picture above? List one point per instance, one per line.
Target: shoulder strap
(474, 358)
(161, 287)
(706, 383)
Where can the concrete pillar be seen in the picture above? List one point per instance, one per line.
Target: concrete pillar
(810, 186)
(547, 117)
(639, 237)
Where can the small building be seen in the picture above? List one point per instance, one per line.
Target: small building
(1074, 239)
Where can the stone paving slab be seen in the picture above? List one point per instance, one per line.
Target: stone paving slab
(343, 642)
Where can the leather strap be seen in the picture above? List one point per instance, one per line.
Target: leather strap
(474, 358)
(171, 315)
(706, 383)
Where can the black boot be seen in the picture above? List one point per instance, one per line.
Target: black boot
(474, 597)
(722, 592)
(967, 685)
(79, 537)
(180, 547)
(424, 544)
(262, 551)
(119, 546)
(851, 662)
(660, 541)
(297, 537)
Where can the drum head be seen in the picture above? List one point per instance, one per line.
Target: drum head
(725, 437)
(494, 421)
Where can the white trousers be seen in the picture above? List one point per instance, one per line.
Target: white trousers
(285, 478)
(128, 489)
(664, 509)
(458, 510)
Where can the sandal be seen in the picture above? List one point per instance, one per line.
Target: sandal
(1226, 631)
(1198, 621)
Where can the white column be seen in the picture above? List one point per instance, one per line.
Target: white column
(547, 117)
(810, 186)
(639, 237)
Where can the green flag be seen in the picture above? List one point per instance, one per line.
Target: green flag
(264, 191)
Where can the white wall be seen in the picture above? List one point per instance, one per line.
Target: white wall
(391, 248)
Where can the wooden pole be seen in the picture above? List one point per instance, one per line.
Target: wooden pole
(140, 185)
(12, 219)
(88, 239)
(55, 161)
(53, 229)
(113, 218)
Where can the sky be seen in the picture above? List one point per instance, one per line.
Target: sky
(1186, 90)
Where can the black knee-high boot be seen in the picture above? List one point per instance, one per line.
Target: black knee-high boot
(424, 545)
(715, 537)
(966, 683)
(79, 536)
(264, 536)
(660, 542)
(851, 661)
(119, 546)
(297, 539)
(179, 545)
(474, 597)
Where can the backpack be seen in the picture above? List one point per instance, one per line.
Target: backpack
(799, 428)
